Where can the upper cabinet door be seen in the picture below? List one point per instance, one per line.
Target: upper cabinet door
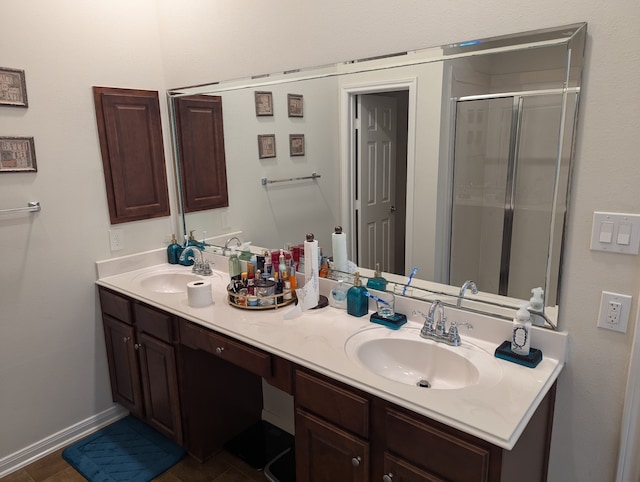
(200, 135)
(130, 133)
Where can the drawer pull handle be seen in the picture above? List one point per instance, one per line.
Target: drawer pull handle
(137, 346)
(219, 350)
(356, 461)
(126, 339)
(387, 477)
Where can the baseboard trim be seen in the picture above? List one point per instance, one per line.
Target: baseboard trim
(50, 444)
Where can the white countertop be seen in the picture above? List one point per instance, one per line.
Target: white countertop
(497, 413)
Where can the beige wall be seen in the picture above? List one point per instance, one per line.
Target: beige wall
(52, 365)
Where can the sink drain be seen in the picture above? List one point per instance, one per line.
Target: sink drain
(424, 384)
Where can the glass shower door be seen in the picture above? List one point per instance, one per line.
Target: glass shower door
(504, 175)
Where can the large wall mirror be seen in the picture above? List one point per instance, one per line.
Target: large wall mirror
(455, 160)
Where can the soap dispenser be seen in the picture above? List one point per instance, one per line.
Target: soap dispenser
(235, 269)
(377, 282)
(521, 337)
(174, 250)
(357, 301)
(536, 303)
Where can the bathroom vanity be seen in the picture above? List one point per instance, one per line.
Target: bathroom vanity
(195, 374)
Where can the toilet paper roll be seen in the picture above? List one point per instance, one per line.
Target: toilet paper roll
(199, 293)
(339, 245)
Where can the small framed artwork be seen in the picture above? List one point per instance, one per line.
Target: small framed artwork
(295, 103)
(17, 154)
(264, 103)
(13, 88)
(266, 146)
(296, 145)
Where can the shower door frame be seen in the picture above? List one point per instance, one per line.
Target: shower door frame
(512, 166)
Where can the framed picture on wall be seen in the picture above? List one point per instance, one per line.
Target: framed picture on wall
(17, 154)
(13, 88)
(295, 103)
(296, 145)
(264, 103)
(266, 146)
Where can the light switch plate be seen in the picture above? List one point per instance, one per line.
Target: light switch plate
(616, 233)
(614, 311)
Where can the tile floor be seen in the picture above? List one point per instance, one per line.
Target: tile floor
(224, 467)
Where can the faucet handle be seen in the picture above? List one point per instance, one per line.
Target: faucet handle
(454, 334)
(427, 328)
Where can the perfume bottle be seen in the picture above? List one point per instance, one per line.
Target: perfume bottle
(357, 301)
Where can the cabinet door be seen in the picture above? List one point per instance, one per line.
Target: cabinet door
(160, 386)
(398, 470)
(123, 365)
(324, 453)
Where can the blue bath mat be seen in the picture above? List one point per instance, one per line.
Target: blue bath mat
(127, 450)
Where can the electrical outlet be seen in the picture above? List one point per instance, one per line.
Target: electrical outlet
(614, 311)
(116, 239)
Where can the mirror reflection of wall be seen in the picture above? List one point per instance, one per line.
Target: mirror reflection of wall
(459, 157)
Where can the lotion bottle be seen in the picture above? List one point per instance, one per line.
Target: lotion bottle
(521, 337)
(357, 301)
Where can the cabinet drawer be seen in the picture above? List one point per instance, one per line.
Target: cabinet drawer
(117, 306)
(439, 452)
(341, 406)
(154, 322)
(245, 356)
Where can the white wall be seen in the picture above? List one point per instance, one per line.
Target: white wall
(52, 363)
(53, 370)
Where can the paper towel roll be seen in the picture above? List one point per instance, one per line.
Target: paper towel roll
(199, 293)
(311, 284)
(339, 246)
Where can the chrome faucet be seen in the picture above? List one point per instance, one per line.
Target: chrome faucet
(200, 266)
(437, 331)
(226, 244)
(469, 284)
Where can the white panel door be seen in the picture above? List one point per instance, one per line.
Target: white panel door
(377, 181)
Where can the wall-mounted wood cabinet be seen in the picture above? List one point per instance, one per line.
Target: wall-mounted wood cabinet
(130, 132)
(201, 156)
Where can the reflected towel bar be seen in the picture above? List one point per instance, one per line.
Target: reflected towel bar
(33, 207)
(264, 181)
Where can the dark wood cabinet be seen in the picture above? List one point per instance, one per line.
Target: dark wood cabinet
(142, 362)
(130, 132)
(201, 155)
(206, 388)
(324, 452)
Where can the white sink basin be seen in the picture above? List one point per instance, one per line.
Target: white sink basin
(168, 282)
(404, 357)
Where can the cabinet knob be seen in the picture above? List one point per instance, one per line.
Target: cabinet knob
(387, 477)
(126, 339)
(356, 461)
(219, 350)
(137, 346)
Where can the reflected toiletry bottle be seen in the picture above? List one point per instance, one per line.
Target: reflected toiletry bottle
(536, 303)
(174, 250)
(338, 295)
(377, 282)
(293, 281)
(521, 338)
(235, 270)
(357, 301)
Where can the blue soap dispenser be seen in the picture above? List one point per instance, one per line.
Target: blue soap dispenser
(377, 282)
(357, 301)
(174, 250)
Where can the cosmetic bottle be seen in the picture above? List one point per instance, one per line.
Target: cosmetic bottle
(521, 337)
(235, 270)
(357, 301)
(536, 304)
(377, 282)
(174, 250)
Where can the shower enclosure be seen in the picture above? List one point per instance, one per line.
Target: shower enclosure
(508, 206)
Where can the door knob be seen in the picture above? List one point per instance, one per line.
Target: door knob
(137, 346)
(219, 350)
(387, 477)
(126, 339)
(392, 209)
(356, 461)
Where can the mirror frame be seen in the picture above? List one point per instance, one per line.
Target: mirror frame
(572, 36)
